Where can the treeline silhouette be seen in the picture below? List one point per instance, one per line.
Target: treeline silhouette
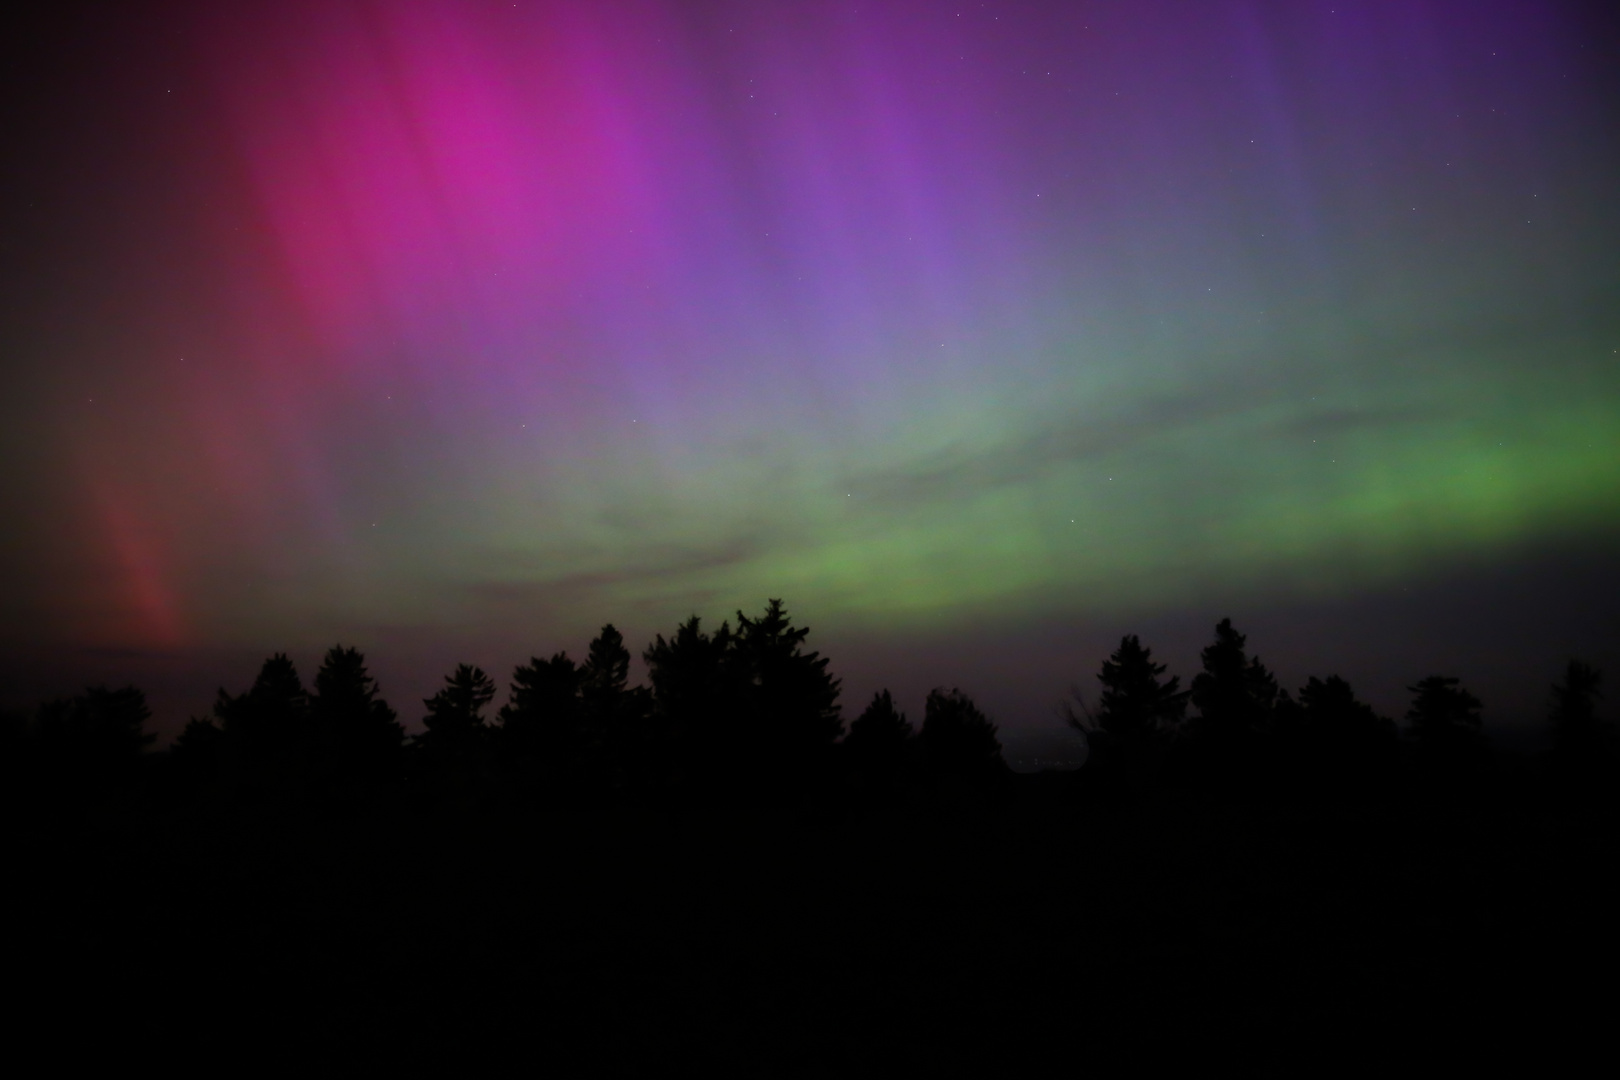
(1252, 736)
(712, 867)
(748, 713)
(740, 715)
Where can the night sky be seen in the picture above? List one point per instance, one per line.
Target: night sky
(981, 334)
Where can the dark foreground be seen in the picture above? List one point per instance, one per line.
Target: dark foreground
(1033, 926)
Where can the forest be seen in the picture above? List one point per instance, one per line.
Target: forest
(713, 868)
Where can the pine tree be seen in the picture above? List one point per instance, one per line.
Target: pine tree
(750, 701)
(957, 739)
(98, 729)
(1441, 707)
(268, 726)
(613, 716)
(1234, 694)
(355, 731)
(878, 743)
(606, 670)
(541, 718)
(881, 729)
(1135, 706)
(697, 708)
(1341, 741)
(790, 699)
(1574, 703)
(453, 722)
(1445, 720)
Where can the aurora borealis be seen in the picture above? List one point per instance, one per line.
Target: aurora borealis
(460, 328)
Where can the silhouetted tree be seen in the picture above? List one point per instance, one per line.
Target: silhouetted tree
(1135, 705)
(267, 729)
(198, 752)
(1338, 742)
(572, 729)
(1574, 707)
(695, 692)
(745, 702)
(957, 740)
(1577, 733)
(878, 744)
(1331, 707)
(16, 757)
(100, 728)
(541, 727)
(1445, 720)
(355, 731)
(14, 735)
(790, 699)
(1135, 717)
(453, 722)
(451, 759)
(613, 714)
(1234, 694)
(542, 711)
(86, 747)
(1440, 706)
(606, 671)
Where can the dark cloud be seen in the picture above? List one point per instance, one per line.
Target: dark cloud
(1319, 423)
(959, 471)
(661, 563)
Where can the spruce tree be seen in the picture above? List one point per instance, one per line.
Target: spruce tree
(1136, 705)
(454, 722)
(1234, 694)
(355, 731)
(958, 740)
(878, 743)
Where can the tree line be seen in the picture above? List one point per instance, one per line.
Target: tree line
(747, 711)
(1235, 721)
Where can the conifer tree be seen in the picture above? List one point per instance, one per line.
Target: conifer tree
(697, 700)
(454, 722)
(606, 671)
(97, 729)
(1136, 705)
(354, 729)
(1235, 693)
(1444, 718)
(790, 699)
(1574, 703)
(878, 742)
(1340, 740)
(1441, 708)
(957, 739)
(541, 718)
(268, 724)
